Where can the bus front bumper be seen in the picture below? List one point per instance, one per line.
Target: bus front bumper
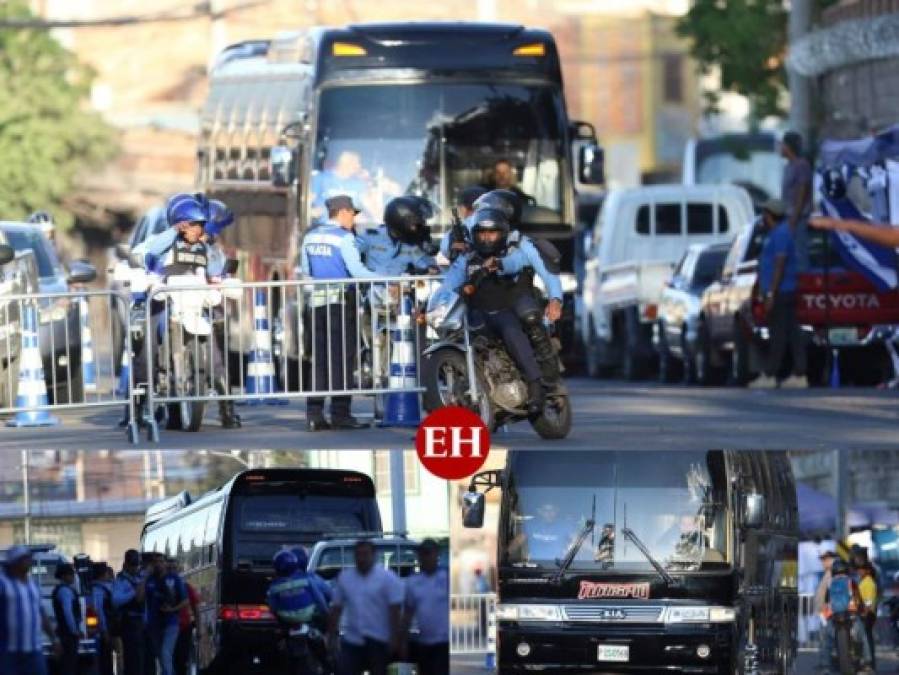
(700, 648)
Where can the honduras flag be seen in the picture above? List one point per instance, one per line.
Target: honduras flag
(878, 263)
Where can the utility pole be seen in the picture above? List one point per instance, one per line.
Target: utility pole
(398, 490)
(800, 23)
(841, 490)
(26, 490)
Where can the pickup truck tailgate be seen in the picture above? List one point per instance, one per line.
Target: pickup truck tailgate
(633, 284)
(844, 298)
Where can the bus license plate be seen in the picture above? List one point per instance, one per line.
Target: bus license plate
(616, 653)
(843, 336)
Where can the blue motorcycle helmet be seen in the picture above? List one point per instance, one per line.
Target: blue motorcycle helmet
(285, 563)
(302, 557)
(185, 207)
(219, 217)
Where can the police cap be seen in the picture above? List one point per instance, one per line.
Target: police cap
(339, 202)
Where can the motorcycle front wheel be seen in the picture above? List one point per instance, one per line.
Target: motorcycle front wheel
(190, 355)
(554, 423)
(844, 649)
(444, 376)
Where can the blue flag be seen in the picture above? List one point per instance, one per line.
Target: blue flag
(877, 263)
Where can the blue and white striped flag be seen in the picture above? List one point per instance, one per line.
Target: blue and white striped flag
(878, 263)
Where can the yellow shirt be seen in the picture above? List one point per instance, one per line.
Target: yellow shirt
(867, 588)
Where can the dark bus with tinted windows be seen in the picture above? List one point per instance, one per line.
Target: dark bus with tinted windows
(643, 561)
(226, 539)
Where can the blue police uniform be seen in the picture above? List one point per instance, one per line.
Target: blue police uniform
(133, 623)
(67, 612)
(329, 252)
(391, 258)
(295, 599)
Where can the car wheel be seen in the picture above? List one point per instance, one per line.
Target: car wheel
(740, 372)
(669, 366)
(689, 366)
(706, 373)
(633, 365)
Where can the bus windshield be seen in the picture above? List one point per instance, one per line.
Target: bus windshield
(263, 524)
(379, 141)
(675, 504)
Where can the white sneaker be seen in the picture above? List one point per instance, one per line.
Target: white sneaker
(763, 382)
(794, 382)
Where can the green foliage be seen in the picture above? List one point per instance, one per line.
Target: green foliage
(47, 133)
(746, 41)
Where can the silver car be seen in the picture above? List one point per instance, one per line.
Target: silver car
(674, 334)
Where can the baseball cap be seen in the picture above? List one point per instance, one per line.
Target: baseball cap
(16, 553)
(775, 207)
(338, 202)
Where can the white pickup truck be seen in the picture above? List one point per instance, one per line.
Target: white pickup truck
(639, 235)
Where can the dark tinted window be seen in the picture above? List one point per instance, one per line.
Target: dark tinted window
(668, 219)
(700, 219)
(755, 245)
(723, 222)
(643, 220)
(821, 251)
(32, 240)
(708, 267)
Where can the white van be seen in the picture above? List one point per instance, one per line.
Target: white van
(639, 235)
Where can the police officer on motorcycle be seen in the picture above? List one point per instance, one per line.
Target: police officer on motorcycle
(296, 601)
(457, 239)
(403, 243)
(504, 299)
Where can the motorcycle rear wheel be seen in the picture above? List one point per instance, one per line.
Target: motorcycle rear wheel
(190, 370)
(844, 650)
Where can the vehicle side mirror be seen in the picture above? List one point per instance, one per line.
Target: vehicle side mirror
(7, 253)
(591, 164)
(81, 272)
(473, 506)
(122, 251)
(282, 162)
(231, 266)
(753, 511)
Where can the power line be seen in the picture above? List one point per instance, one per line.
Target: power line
(200, 10)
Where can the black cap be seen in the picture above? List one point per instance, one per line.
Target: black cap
(338, 202)
(428, 545)
(132, 557)
(64, 569)
(468, 195)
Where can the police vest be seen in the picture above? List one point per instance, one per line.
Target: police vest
(499, 291)
(132, 607)
(184, 258)
(293, 599)
(62, 628)
(322, 247)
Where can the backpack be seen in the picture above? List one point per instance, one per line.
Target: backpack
(840, 594)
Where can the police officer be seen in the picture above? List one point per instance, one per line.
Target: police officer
(302, 557)
(505, 299)
(398, 246)
(294, 599)
(128, 593)
(67, 612)
(454, 242)
(329, 253)
(101, 600)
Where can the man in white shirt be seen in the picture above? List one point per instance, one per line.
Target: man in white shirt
(427, 602)
(371, 599)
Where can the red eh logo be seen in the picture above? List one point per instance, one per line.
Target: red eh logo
(452, 443)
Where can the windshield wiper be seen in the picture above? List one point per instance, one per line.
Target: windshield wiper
(667, 578)
(565, 562)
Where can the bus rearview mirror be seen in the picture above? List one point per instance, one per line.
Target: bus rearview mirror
(283, 166)
(591, 164)
(473, 504)
(753, 511)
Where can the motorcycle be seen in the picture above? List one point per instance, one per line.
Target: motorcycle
(498, 393)
(304, 651)
(847, 644)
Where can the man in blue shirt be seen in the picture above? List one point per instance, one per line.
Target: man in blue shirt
(347, 177)
(128, 598)
(22, 618)
(166, 596)
(101, 601)
(67, 613)
(397, 247)
(329, 253)
(778, 278)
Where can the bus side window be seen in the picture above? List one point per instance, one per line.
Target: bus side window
(211, 531)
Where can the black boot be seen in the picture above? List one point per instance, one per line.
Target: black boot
(229, 418)
(536, 397)
(546, 354)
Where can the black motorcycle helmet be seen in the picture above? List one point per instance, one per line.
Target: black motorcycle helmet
(405, 218)
(505, 200)
(489, 220)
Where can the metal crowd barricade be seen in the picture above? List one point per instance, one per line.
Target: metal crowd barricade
(74, 339)
(272, 341)
(473, 623)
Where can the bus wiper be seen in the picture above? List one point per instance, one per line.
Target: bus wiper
(667, 578)
(565, 562)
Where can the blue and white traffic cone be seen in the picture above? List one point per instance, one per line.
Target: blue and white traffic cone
(88, 364)
(32, 388)
(402, 409)
(835, 369)
(260, 366)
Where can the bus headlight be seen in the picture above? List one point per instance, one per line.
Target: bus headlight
(528, 613)
(700, 615)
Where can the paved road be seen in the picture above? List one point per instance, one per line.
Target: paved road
(806, 664)
(608, 415)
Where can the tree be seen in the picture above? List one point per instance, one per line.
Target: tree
(48, 135)
(746, 40)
